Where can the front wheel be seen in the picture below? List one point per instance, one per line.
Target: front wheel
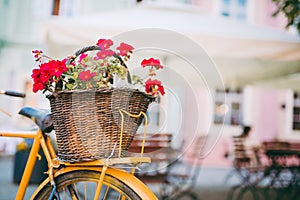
(82, 185)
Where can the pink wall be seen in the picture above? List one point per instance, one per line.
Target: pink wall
(258, 12)
(265, 121)
(203, 4)
(267, 113)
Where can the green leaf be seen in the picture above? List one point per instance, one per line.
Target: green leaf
(69, 86)
(75, 75)
(291, 10)
(96, 78)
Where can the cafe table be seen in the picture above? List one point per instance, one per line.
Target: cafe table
(283, 168)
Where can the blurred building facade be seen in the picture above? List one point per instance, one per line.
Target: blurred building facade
(269, 111)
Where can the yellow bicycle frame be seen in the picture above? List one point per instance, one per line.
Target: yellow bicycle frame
(101, 166)
(31, 159)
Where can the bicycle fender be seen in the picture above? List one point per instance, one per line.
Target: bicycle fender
(133, 182)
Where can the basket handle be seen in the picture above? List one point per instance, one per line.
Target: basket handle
(93, 48)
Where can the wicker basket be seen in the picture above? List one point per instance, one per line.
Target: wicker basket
(88, 122)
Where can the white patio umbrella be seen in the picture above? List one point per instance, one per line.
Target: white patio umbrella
(244, 53)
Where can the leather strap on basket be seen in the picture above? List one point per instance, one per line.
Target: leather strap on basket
(97, 48)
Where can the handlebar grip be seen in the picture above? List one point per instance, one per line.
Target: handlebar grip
(14, 94)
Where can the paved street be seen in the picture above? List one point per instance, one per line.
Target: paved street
(8, 189)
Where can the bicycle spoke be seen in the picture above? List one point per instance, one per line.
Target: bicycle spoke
(73, 192)
(106, 193)
(85, 194)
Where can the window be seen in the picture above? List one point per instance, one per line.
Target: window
(229, 111)
(225, 8)
(241, 9)
(236, 9)
(296, 111)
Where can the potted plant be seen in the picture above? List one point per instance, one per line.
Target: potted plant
(86, 104)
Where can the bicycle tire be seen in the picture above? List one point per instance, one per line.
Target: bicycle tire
(75, 178)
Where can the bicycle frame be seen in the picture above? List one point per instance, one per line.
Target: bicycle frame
(101, 165)
(31, 159)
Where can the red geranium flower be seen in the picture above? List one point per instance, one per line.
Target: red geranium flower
(35, 73)
(44, 77)
(45, 67)
(104, 43)
(37, 54)
(153, 87)
(86, 75)
(81, 57)
(65, 60)
(37, 86)
(124, 49)
(40, 76)
(85, 70)
(104, 54)
(57, 67)
(152, 62)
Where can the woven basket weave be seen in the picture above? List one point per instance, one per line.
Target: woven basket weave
(88, 123)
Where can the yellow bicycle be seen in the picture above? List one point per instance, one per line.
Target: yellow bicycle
(107, 178)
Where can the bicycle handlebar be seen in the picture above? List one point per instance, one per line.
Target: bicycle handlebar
(12, 93)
